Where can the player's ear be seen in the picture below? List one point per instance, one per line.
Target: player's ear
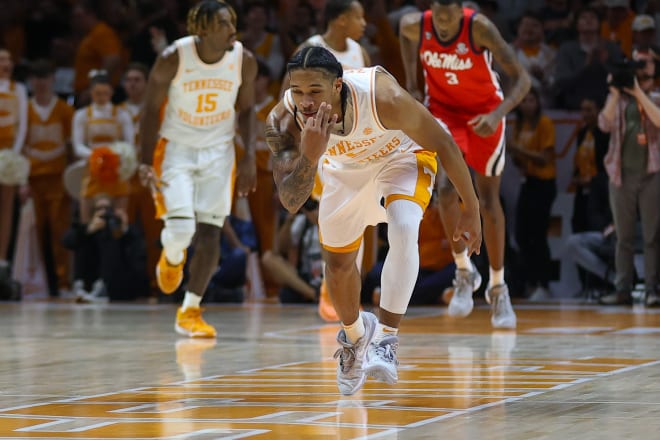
(338, 85)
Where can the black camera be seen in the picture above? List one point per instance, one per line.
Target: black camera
(623, 73)
(112, 221)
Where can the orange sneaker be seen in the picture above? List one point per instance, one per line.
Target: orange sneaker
(189, 322)
(169, 277)
(327, 311)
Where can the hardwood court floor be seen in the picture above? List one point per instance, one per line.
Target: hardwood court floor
(120, 372)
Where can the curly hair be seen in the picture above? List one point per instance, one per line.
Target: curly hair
(203, 15)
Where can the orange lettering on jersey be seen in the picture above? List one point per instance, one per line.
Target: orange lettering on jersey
(345, 147)
(208, 84)
(203, 121)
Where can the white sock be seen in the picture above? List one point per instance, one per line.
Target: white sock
(354, 331)
(174, 257)
(462, 260)
(191, 300)
(383, 331)
(496, 277)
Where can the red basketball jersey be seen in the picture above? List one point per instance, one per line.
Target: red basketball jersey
(459, 78)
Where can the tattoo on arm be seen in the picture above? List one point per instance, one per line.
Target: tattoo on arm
(293, 173)
(487, 36)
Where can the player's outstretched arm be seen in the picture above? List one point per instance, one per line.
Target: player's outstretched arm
(398, 110)
(409, 31)
(296, 153)
(246, 180)
(487, 36)
(160, 78)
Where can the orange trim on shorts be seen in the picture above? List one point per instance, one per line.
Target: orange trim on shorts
(159, 156)
(427, 168)
(352, 247)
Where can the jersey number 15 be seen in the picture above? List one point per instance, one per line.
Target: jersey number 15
(207, 103)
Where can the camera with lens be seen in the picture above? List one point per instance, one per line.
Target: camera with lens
(623, 73)
(112, 221)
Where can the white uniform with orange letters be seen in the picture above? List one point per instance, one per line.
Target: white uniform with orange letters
(366, 165)
(195, 156)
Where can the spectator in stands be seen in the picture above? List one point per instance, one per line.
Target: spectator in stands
(48, 146)
(296, 25)
(536, 56)
(581, 64)
(632, 117)
(299, 266)
(617, 26)
(532, 146)
(589, 177)
(99, 49)
(644, 35)
(109, 258)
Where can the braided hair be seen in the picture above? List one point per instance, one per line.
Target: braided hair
(204, 15)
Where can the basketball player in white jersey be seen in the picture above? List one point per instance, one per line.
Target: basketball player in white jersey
(345, 26)
(201, 80)
(366, 147)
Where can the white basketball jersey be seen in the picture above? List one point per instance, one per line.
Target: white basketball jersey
(368, 140)
(200, 101)
(351, 58)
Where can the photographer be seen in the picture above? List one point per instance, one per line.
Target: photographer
(631, 115)
(109, 254)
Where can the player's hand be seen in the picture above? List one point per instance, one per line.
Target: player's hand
(316, 132)
(246, 180)
(485, 125)
(149, 179)
(468, 229)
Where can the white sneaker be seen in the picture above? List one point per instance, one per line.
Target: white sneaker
(465, 283)
(540, 294)
(352, 357)
(382, 362)
(503, 315)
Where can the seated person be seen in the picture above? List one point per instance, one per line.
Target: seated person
(299, 269)
(109, 255)
(436, 263)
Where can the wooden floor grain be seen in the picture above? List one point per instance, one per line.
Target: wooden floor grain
(120, 372)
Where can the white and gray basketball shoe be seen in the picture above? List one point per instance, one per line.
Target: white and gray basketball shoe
(502, 312)
(382, 361)
(350, 371)
(465, 283)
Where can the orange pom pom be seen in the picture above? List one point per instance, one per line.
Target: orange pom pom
(104, 165)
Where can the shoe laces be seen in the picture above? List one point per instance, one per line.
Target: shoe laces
(387, 350)
(462, 279)
(346, 355)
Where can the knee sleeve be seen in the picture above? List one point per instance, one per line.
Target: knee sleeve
(177, 234)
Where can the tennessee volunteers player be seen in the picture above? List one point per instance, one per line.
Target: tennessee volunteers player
(200, 82)
(455, 46)
(363, 133)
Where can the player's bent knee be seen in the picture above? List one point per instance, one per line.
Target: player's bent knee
(178, 232)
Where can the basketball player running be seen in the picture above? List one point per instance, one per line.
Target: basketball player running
(201, 79)
(366, 147)
(455, 46)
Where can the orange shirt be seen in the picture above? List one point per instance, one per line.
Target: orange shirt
(622, 35)
(47, 138)
(9, 115)
(537, 140)
(100, 42)
(262, 153)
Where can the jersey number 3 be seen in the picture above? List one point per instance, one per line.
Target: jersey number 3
(207, 102)
(451, 78)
